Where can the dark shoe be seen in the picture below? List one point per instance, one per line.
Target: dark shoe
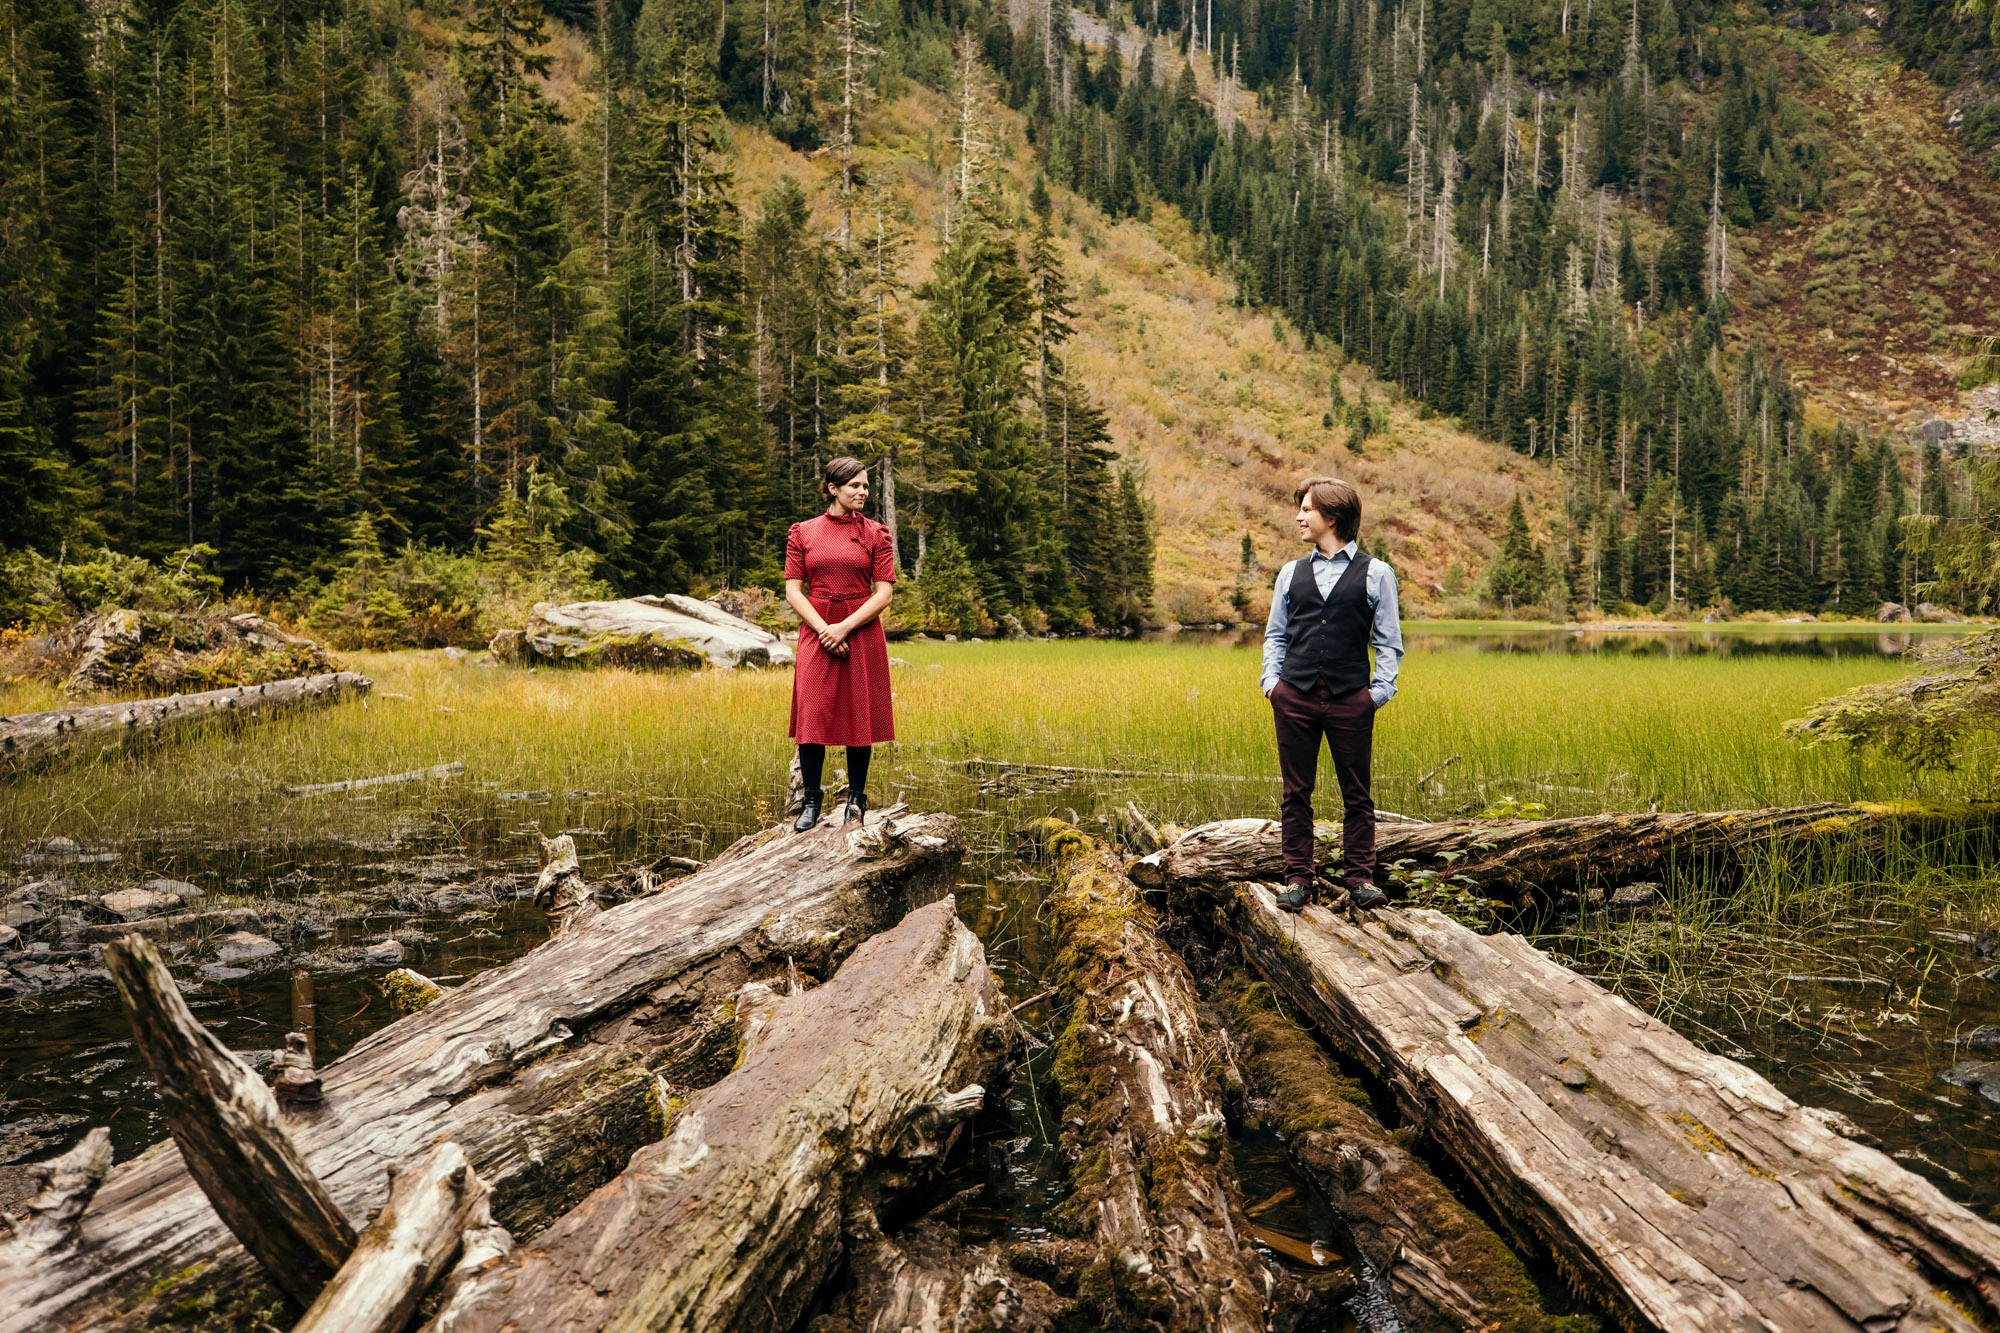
(1366, 895)
(1295, 897)
(809, 816)
(857, 807)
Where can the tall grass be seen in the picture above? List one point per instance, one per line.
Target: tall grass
(701, 756)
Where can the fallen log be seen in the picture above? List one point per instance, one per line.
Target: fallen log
(733, 1222)
(1144, 1127)
(229, 1130)
(1520, 859)
(1680, 1188)
(27, 739)
(926, 1281)
(1444, 1269)
(50, 1220)
(435, 773)
(405, 1248)
(549, 1071)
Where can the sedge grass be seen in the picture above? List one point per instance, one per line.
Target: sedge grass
(705, 754)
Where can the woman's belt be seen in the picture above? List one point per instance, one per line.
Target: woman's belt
(838, 596)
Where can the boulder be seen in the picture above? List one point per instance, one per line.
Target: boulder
(135, 903)
(386, 953)
(1892, 613)
(242, 947)
(157, 652)
(180, 888)
(1930, 613)
(1980, 1076)
(1010, 625)
(670, 632)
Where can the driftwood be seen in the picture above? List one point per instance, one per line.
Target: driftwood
(50, 1222)
(1439, 1266)
(1681, 1188)
(561, 889)
(27, 739)
(230, 1132)
(733, 1221)
(1142, 1102)
(1518, 859)
(548, 1071)
(926, 1281)
(405, 1248)
(436, 772)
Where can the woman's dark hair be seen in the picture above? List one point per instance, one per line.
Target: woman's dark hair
(839, 472)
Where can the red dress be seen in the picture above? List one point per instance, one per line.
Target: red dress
(836, 700)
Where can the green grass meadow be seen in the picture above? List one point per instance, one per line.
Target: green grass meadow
(1573, 733)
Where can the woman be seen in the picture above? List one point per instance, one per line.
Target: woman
(840, 691)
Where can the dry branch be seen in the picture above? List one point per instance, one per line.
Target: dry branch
(1519, 858)
(731, 1224)
(405, 1248)
(546, 1071)
(230, 1131)
(1683, 1189)
(52, 1216)
(436, 772)
(27, 739)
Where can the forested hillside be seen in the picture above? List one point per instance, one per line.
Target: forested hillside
(318, 284)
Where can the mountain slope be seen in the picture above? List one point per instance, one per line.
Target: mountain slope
(1221, 405)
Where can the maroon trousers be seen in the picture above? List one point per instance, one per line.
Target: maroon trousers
(1347, 722)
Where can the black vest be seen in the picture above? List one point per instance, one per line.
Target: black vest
(1327, 637)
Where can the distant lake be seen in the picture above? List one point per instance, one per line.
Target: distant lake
(1738, 640)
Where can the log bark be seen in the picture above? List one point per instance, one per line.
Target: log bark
(547, 1071)
(924, 1280)
(733, 1222)
(435, 773)
(1142, 1104)
(405, 1248)
(1521, 859)
(1431, 1257)
(229, 1130)
(28, 739)
(1680, 1187)
(51, 1218)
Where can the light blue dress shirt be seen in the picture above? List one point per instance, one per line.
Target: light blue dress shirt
(1386, 637)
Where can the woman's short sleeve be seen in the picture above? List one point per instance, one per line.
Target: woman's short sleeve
(885, 556)
(795, 554)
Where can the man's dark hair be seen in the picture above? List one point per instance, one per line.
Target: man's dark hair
(1337, 502)
(839, 472)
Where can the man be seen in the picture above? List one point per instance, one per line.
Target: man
(1326, 611)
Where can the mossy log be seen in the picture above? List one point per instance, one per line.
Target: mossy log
(29, 739)
(1680, 1188)
(1146, 1134)
(926, 1280)
(549, 1071)
(1445, 1270)
(733, 1222)
(1521, 859)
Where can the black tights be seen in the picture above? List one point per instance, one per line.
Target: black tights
(812, 766)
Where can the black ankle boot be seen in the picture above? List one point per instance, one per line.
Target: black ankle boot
(857, 807)
(809, 815)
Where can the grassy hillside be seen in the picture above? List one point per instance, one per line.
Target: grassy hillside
(1223, 405)
(1875, 299)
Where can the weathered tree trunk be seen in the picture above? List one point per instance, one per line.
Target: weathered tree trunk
(1444, 1269)
(432, 1202)
(925, 1280)
(52, 1216)
(1518, 858)
(561, 889)
(1681, 1188)
(1151, 1156)
(27, 739)
(734, 1220)
(547, 1071)
(230, 1131)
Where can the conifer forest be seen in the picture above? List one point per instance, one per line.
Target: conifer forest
(305, 286)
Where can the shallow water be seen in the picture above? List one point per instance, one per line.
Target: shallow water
(1875, 1052)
